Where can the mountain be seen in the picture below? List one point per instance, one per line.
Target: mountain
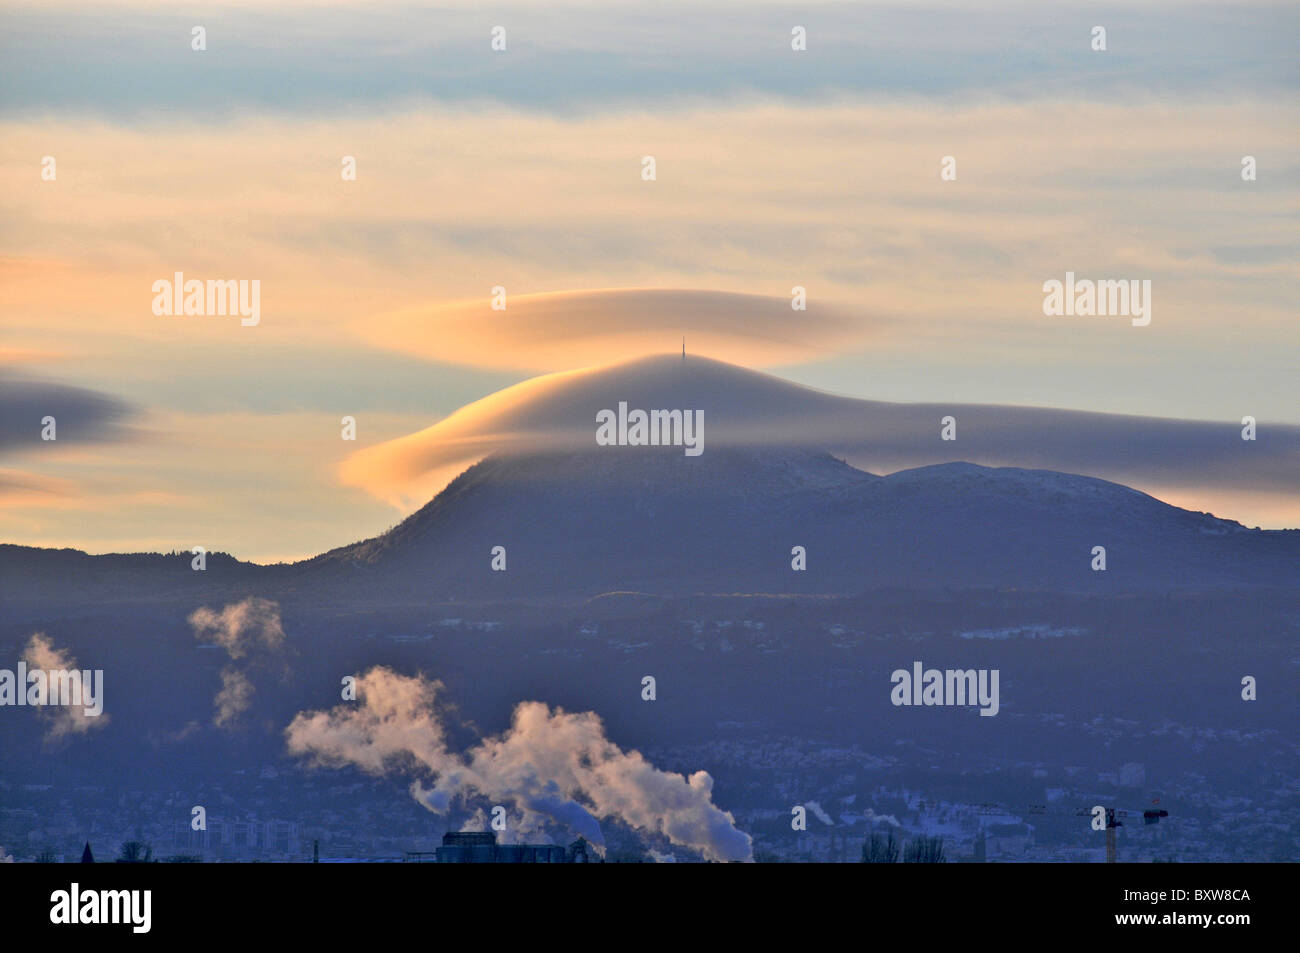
(649, 519)
(740, 407)
(952, 564)
(578, 520)
(653, 520)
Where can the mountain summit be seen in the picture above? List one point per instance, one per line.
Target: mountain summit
(743, 408)
(577, 524)
(778, 500)
(648, 519)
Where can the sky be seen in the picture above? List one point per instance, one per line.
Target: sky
(522, 169)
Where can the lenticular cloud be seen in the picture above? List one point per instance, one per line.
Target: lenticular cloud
(549, 765)
(1207, 462)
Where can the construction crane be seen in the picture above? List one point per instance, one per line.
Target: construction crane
(1114, 817)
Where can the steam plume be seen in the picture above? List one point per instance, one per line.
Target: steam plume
(550, 764)
(62, 719)
(249, 629)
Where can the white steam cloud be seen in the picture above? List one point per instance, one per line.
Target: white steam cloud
(63, 719)
(549, 765)
(248, 630)
(234, 698)
(820, 812)
(241, 628)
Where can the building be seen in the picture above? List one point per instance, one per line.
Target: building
(238, 838)
(481, 847)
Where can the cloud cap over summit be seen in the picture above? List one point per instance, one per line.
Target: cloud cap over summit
(541, 332)
(1204, 464)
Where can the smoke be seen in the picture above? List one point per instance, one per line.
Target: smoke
(64, 720)
(549, 766)
(524, 829)
(821, 814)
(235, 697)
(249, 631)
(241, 628)
(872, 817)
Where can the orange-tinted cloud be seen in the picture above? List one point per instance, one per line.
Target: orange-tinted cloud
(575, 328)
(1208, 460)
(18, 488)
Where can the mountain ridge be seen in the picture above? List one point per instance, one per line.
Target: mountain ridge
(577, 524)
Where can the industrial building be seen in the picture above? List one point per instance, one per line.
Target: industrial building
(481, 847)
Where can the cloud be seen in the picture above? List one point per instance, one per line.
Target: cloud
(575, 56)
(550, 764)
(241, 628)
(871, 817)
(80, 415)
(839, 194)
(250, 632)
(820, 812)
(168, 491)
(557, 412)
(751, 198)
(18, 488)
(23, 355)
(234, 698)
(64, 720)
(575, 328)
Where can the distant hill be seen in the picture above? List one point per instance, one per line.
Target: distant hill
(578, 524)
(652, 519)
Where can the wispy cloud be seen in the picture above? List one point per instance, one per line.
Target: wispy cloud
(79, 415)
(63, 720)
(575, 328)
(565, 57)
(521, 169)
(447, 205)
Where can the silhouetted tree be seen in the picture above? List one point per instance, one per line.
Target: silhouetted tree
(46, 857)
(880, 850)
(925, 850)
(134, 852)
